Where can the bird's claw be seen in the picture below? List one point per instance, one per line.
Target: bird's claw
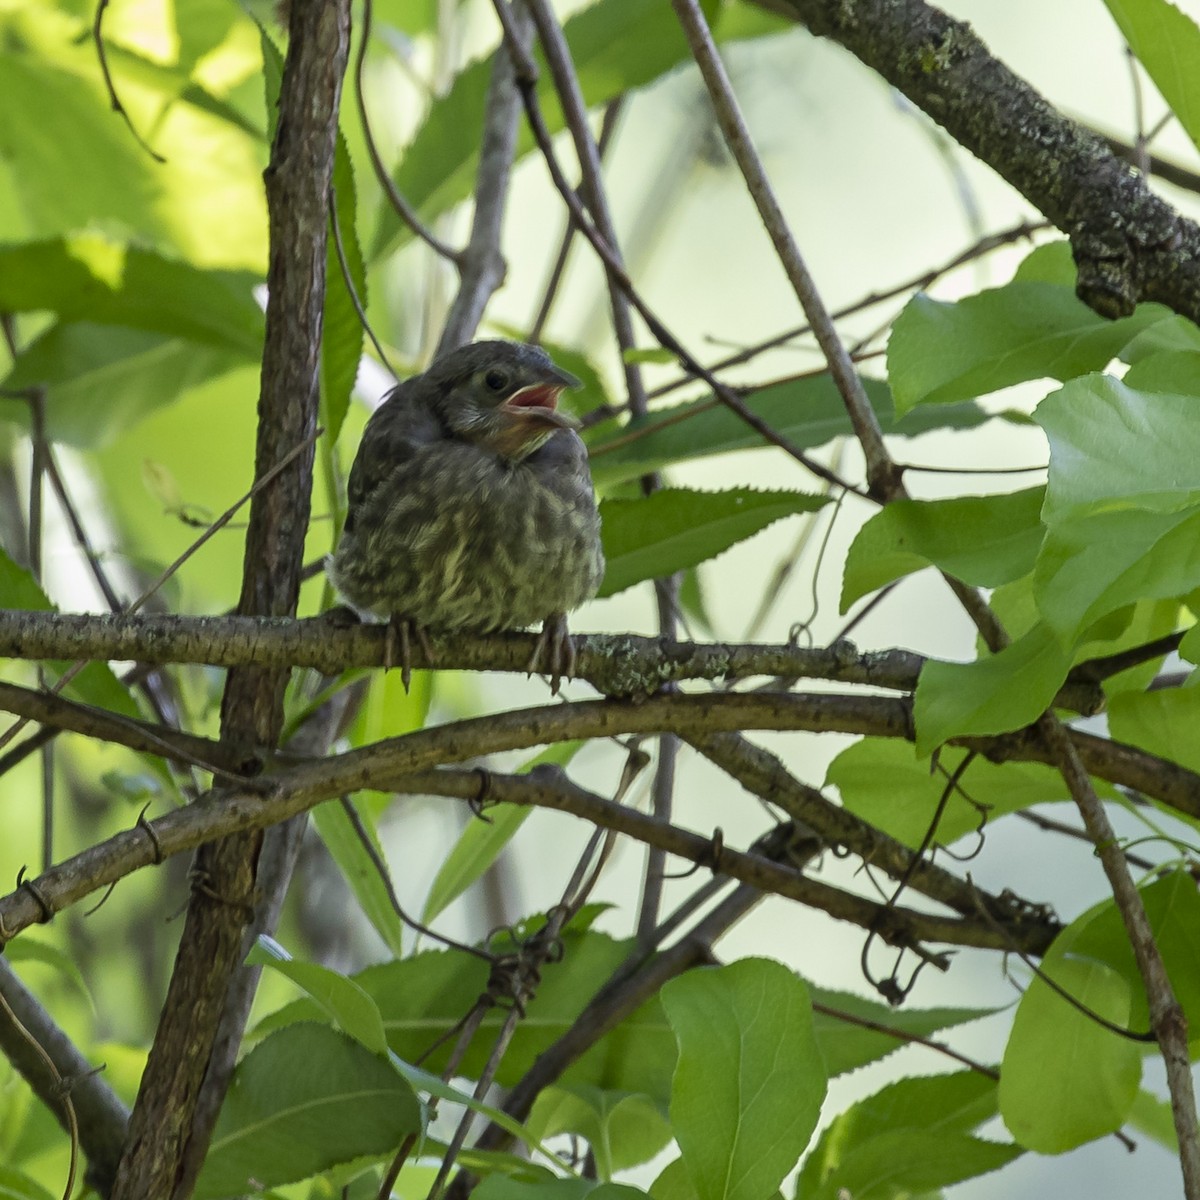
(556, 645)
(403, 629)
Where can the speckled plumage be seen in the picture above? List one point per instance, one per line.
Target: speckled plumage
(469, 508)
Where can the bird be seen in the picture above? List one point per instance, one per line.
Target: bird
(470, 506)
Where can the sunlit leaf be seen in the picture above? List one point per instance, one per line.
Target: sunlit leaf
(1167, 43)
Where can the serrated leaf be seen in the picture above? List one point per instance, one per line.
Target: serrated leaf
(908, 1139)
(847, 1043)
(350, 1007)
(358, 869)
(884, 782)
(940, 352)
(750, 1081)
(1066, 1079)
(342, 331)
(982, 540)
(676, 528)
(88, 277)
(306, 1099)
(1167, 43)
(995, 694)
(808, 412)
(482, 840)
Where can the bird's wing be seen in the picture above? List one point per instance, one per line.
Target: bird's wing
(397, 430)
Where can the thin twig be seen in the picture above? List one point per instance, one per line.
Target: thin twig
(1167, 1018)
(527, 84)
(110, 87)
(550, 292)
(335, 228)
(403, 209)
(481, 266)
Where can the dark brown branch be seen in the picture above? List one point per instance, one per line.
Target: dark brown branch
(297, 185)
(1129, 245)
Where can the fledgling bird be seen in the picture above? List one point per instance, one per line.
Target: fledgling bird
(471, 504)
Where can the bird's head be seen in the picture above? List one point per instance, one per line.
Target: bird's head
(501, 395)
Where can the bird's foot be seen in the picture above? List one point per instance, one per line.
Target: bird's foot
(555, 646)
(400, 632)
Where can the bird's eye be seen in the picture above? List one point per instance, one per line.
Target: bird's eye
(496, 380)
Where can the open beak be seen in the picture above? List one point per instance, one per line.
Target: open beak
(539, 402)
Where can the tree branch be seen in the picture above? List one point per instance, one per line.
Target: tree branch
(222, 901)
(1129, 245)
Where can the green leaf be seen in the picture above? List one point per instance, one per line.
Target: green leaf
(1163, 722)
(1066, 1079)
(1173, 370)
(623, 1129)
(1167, 43)
(1173, 910)
(847, 1044)
(908, 1139)
(353, 1010)
(942, 351)
(750, 1081)
(88, 277)
(424, 996)
(808, 412)
(1051, 262)
(994, 694)
(676, 528)
(982, 540)
(1155, 1118)
(1113, 447)
(616, 46)
(14, 1185)
(29, 949)
(342, 331)
(306, 1099)
(1091, 566)
(95, 684)
(358, 868)
(102, 379)
(884, 782)
(482, 840)
(673, 1183)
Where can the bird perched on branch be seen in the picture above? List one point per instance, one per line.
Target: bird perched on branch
(471, 505)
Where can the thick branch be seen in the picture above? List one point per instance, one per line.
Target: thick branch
(1129, 245)
(297, 184)
(614, 664)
